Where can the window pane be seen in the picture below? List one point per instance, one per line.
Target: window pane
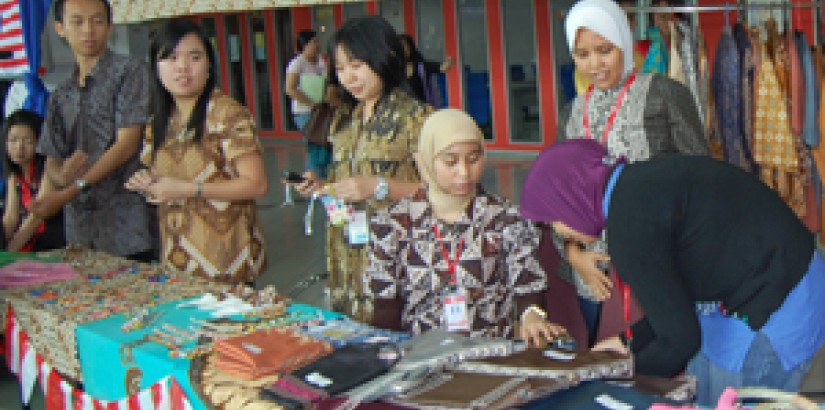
(260, 53)
(233, 44)
(393, 12)
(208, 24)
(476, 75)
(354, 10)
(430, 39)
(520, 48)
(324, 25)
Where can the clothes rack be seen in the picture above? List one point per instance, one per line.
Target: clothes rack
(735, 6)
(719, 7)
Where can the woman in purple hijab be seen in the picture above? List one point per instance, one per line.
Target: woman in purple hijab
(727, 275)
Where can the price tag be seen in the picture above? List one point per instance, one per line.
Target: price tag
(455, 311)
(359, 233)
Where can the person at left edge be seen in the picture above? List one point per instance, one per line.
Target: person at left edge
(94, 125)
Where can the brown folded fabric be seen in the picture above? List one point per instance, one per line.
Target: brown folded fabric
(267, 352)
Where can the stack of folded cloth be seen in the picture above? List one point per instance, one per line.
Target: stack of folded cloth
(266, 352)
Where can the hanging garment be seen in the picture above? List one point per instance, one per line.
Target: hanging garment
(656, 60)
(774, 149)
(727, 87)
(810, 130)
(675, 70)
(746, 67)
(689, 55)
(797, 90)
(818, 152)
(711, 122)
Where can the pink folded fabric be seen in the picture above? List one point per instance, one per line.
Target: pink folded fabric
(23, 273)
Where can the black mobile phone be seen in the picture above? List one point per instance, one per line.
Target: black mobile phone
(293, 177)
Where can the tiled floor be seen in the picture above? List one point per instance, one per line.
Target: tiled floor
(295, 259)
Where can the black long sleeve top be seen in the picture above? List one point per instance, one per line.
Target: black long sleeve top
(683, 229)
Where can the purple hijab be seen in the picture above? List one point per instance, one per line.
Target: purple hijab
(566, 184)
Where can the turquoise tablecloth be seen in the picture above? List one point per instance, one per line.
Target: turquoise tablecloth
(104, 373)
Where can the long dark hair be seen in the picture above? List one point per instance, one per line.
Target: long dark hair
(371, 39)
(20, 117)
(164, 41)
(304, 37)
(415, 54)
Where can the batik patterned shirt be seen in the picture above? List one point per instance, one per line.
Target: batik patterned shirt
(219, 240)
(497, 262)
(115, 95)
(380, 146)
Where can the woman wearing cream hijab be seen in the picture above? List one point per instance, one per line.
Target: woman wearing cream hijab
(451, 255)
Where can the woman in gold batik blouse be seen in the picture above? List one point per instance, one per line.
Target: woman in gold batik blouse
(205, 163)
(372, 153)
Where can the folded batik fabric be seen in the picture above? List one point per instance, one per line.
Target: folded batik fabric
(266, 352)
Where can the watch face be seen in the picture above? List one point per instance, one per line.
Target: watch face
(382, 189)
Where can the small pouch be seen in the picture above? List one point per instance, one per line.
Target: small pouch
(555, 364)
(346, 368)
(296, 386)
(285, 399)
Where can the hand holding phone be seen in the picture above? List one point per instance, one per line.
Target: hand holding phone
(293, 177)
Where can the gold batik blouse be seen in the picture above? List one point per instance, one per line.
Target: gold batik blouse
(381, 146)
(220, 240)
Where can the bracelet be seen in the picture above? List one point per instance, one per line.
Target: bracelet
(533, 308)
(198, 189)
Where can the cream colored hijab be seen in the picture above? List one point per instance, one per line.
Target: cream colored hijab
(442, 129)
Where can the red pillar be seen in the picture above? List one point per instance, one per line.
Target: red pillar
(498, 74)
(372, 7)
(409, 19)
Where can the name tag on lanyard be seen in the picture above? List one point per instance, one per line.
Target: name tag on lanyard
(456, 317)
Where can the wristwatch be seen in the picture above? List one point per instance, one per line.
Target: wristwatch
(382, 189)
(82, 185)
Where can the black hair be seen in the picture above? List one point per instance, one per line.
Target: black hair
(371, 39)
(59, 5)
(26, 118)
(415, 55)
(163, 43)
(304, 37)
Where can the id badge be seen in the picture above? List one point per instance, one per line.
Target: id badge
(455, 310)
(358, 230)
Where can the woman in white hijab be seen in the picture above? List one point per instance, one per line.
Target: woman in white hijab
(451, 255)
(634, 115)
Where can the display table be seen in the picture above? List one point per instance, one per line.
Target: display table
(69, 334)
(111, 374)
(108, 285)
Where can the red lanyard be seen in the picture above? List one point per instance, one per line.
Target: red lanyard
(612, 118)
(625, 289)
(25, 186)
(452, 265)
(26, 198)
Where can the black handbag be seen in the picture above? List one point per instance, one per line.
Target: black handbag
(316, 130)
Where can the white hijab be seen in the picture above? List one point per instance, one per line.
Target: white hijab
(606, 18)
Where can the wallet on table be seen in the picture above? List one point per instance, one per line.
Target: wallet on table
(555, 364)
